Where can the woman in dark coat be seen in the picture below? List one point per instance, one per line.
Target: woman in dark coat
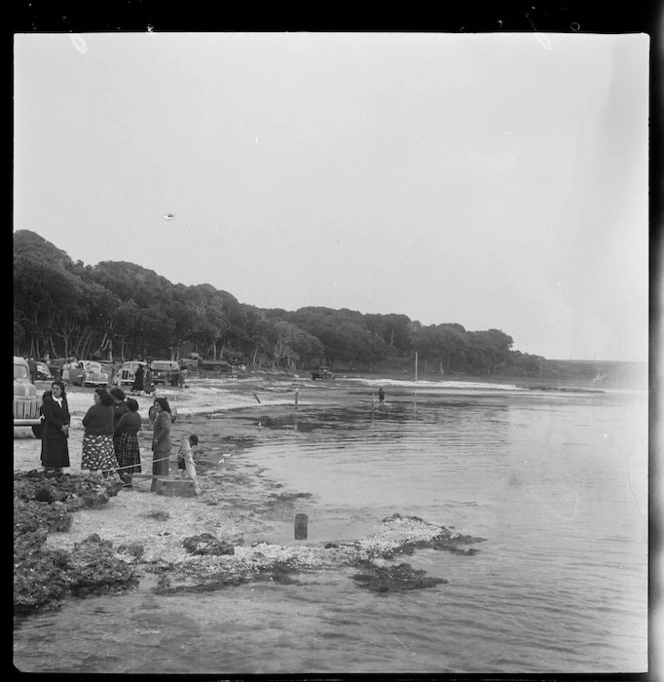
(137, 386)
(161, 438)
(126, 442)
(55, 449)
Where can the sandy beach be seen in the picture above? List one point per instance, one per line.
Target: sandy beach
(225, 414)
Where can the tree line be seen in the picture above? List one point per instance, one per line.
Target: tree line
(121, 310)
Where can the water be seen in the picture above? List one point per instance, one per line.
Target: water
(556, 483)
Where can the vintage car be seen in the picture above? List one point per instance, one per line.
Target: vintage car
(55, 366)
(85, 373)
(43, 372)
(26, 403)
(165, 372)
(322, 373)
(128, 371)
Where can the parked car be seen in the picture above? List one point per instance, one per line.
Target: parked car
(128, 371)
(43, 371)
(322, 373)
(86, 373)
(26, 403)
(55, 367)
(165, 372)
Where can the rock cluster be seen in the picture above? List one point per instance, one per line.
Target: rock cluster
(43, 576)
(393, 578)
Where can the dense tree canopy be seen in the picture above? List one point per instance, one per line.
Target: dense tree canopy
(121, 310)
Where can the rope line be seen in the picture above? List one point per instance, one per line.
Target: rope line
(131, 466)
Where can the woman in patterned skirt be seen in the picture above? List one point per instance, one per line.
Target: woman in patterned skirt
(126, 442)
(98, 451)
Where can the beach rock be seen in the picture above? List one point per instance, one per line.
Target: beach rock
(399, 578)
(31, 516)
(76, 491)
(94, 568)
(43, 576)
(134, 549)
(207, 544)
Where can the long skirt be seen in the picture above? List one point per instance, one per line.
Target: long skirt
(55, 453)
(127, 453)
(162, 467)
(98, 453)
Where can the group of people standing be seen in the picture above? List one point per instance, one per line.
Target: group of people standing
(110, 440)
(144, 375)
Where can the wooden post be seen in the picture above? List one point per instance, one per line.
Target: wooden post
(297, 392)
(301, 521)
(415, 365)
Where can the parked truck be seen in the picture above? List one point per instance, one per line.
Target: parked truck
(195, 361)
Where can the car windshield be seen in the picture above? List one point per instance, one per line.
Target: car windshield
(20, 372)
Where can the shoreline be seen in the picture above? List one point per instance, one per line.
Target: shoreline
(225, 535)
(240, 506)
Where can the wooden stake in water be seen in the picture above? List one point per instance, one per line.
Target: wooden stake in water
(297, 393)
(301, 521)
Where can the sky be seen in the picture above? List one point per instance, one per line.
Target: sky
(492, 180)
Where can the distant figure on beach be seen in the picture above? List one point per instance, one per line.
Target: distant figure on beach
(119, 404)
(137, 386)
(186, 460)
(98, 451)
(125, 439)
(55, 414)
(114, 379)
(147, 382)
(182, 377)
(161, 438)
(381, 395)
(119, 408)
(32, 367)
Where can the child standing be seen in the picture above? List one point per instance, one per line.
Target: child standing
(186, 460)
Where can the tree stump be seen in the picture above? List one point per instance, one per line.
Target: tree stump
(301, 521)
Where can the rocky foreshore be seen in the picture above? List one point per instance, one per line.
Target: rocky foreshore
(77, 534)
(44, 575)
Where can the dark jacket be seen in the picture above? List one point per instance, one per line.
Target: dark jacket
(130, 422)
(98, 421)
(161, 439)
(55, 417)
(118, 411)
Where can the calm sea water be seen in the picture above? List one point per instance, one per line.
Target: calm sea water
(555, 482)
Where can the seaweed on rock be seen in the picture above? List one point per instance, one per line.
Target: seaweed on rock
(43, 576)
(399, 578)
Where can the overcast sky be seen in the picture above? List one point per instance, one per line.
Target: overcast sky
(494, 180)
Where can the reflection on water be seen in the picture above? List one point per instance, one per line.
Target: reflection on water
(556, 483)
